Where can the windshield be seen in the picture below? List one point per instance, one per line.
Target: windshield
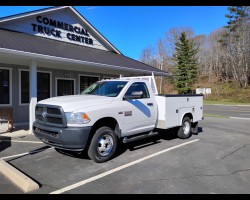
(105, 88)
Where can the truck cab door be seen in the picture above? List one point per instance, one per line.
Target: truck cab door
(140, 109)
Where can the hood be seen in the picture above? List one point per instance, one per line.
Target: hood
(71, 103)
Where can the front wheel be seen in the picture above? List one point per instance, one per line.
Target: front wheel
(184, 131)
(103, 145)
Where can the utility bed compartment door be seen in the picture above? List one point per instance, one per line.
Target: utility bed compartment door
(172, 108)
(168, 114)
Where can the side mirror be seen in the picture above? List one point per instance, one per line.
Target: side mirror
(134, 95)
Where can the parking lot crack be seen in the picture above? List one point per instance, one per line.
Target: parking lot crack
(244, 146)
(198, 175)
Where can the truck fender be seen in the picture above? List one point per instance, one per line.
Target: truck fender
(109, 122)
(184, 115)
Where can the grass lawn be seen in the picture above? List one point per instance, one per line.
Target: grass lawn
(224, 102)
(212, 115)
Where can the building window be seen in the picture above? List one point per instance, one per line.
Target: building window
(43, 86)
(86, 81)
(4, 86)
(25, 87)
(65, 86)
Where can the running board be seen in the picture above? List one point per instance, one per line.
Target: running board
(139, 137)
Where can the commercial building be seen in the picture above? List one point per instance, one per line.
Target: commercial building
(53, 52)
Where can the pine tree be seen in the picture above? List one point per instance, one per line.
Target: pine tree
(186, 70)
(238, 15)
(239, 19)
(235, 42)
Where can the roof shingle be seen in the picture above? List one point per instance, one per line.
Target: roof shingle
(39, 45)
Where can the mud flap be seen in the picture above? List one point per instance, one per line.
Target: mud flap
(194, 128)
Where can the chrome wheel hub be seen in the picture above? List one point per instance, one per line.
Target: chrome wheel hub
(105, 145)
(186, 128)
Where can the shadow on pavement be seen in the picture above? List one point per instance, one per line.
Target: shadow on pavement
(200, 130)
(35, 151)
(5, 142)
(169, 134)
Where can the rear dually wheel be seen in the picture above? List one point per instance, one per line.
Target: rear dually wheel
(184, 131)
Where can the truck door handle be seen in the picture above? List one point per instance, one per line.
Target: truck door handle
(150, 104)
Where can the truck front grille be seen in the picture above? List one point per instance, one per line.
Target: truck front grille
(54, 120)
(39, 109)
(39, 117)
(50, 115)
(55, 111)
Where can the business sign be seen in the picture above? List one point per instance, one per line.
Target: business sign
(203, 91)
(208, 91)
(54, 28)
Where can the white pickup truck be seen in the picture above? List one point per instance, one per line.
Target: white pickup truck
(125, 109)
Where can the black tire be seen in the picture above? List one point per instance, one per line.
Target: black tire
(195, 128)
(103, 145)
(184, 131)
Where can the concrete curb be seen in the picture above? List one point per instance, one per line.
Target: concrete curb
(18, 178)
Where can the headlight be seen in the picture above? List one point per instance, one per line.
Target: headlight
(77, 118)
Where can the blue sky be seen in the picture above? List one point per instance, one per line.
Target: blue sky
(132, 28)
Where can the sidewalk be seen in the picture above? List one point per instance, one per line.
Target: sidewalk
(16, 132)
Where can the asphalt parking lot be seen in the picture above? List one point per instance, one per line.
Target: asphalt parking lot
(216, 161)
(231, 111)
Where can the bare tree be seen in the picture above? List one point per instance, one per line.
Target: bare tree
(237, 43)
(172, 36)
(147, 55)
